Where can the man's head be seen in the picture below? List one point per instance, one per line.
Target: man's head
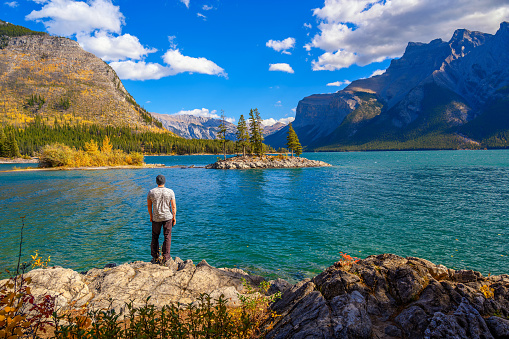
(160, 180)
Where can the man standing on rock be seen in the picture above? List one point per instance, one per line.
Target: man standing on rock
(159, 202)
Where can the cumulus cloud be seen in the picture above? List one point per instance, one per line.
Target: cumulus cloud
(272, 121)
(339, 83)
(282, 67)
(12, 4)
(377, 72)
(307, 25)
(67, 17)
(179, 63)
(185, 2)
(114, 48)
(204, 113)
(176, 63)
(278, 103)
(201, 16)
(281, 46)
(294, 109)
(207, 8)
(141, 70)
(363, 31)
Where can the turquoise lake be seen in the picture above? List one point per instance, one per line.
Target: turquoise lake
(450, 207)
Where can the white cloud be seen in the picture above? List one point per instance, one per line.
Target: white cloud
(363, 31)
(281, 67)
(130, 70)
(339, 83)
(278, 103)
(377, 72)
(114, 48)
(333, 61)
(67, 17)
(204, 113)
(308, 25)
(201, 16)
(148, 102)
(12, 4)
(179, 63)
(171, 40)
(207, 8)
(272, 121)
(282, 45)
(294, 109)
(185, 2)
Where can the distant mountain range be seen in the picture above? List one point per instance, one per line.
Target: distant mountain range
(195, 127)
(440, 95)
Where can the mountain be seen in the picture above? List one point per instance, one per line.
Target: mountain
(193, 127)
(439, 95)
(54, 80)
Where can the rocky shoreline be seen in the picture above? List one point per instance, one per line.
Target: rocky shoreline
(384, 296)
(247, 162)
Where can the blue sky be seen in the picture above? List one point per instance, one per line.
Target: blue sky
(204, 56)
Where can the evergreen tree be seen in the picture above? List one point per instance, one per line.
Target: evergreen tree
(12, 144)
(221, 135)
(293, 141)
(242, 134)
(3, 143)
(256, 137)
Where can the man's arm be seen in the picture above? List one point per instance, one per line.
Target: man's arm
(174, 211)
(149, 205)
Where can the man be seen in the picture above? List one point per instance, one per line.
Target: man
(159, 202)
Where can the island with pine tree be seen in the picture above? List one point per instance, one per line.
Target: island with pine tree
(250, 138)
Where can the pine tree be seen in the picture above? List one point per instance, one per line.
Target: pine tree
(256, 137)
(13, 146)
(221, 135)
(3, 143)
(293, 141)
(242, 134)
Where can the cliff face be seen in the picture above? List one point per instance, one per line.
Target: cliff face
(433, 89)
(54, 77)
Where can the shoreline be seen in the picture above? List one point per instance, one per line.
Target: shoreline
(97, 168)
(381, 296)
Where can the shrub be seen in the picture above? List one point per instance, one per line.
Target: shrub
(59, 155)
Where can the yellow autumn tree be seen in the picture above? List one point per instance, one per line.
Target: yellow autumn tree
(107, 147)
(91, 146)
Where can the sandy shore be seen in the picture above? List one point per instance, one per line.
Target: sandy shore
(18, 161)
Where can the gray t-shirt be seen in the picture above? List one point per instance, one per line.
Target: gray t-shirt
(161, 203)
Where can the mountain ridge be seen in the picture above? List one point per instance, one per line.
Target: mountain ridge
(396, 110)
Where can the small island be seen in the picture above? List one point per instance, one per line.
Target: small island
(266, 161)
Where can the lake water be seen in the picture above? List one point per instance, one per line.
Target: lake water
(450, 207)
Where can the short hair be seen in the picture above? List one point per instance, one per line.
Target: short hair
(160, 179)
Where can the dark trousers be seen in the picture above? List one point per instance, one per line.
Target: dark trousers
(156, 230)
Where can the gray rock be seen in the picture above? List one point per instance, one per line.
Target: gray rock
(278, 285)
(393, 331)
(413, 321)
(310, 318)
(465, 322)
(499, 327)
(350, 317)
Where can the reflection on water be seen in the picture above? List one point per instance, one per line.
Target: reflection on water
(448, 207)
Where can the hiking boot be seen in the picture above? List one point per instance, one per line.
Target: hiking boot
(155, 261)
